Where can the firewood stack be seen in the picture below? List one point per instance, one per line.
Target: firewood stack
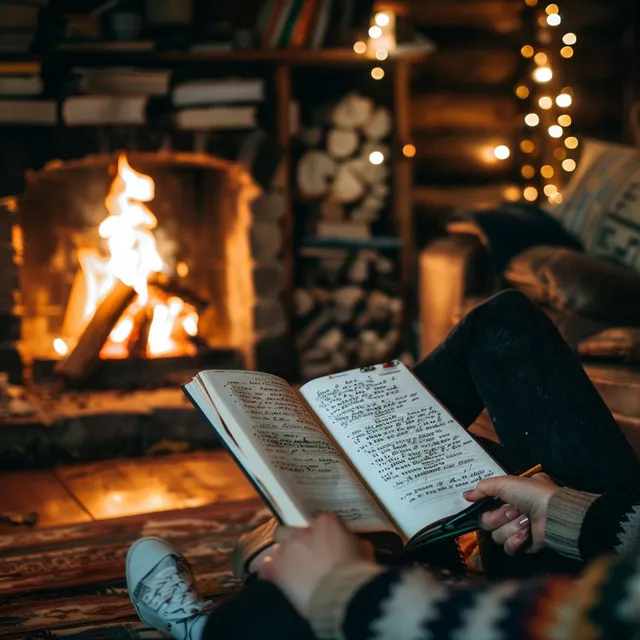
(348, 300)
(10, 362)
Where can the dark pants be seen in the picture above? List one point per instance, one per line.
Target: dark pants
(505, 356)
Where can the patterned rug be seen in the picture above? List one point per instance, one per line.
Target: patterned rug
(69, 582)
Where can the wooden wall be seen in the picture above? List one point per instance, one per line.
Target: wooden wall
(463, 96)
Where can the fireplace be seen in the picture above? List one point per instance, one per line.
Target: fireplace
(135, 264)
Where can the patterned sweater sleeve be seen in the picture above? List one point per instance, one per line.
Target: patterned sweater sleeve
(364, 602)
(583, 525)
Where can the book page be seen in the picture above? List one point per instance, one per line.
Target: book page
(278, 427)
(405, 445)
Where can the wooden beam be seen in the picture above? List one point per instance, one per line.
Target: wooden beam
(449, 110)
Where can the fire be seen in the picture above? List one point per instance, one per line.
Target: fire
(133, 258)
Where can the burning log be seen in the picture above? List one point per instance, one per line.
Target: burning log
(86, 354)
(139, 338)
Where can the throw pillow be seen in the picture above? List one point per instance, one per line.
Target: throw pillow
(602, 202)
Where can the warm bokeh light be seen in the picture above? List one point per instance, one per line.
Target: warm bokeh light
(502, 152)
(382, 19)
(550, 189)
(555, 198)
(382, 54)
(375, 32)
(528, 171)
(530, 194)
(527, 51)
(522, 92)
(60, 347)
(551, 9)
(564, 120)
(512, 194)
(554, 20)
(531, 3)
(545, 102)
(559, 154)
(569, 165)
(409, 151)
(566, 52)
(542, 74)
(547, 171)
(360, 47)
(541, 59)
(569, 38)
(532, 119)
(377, 73)
(527, 146)
(571, 142)
(376, 157)
(564, 100)
(182, 269)
(555, 131)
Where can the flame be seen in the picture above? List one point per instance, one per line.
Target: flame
(132, 257)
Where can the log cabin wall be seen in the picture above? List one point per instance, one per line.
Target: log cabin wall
(464, 102)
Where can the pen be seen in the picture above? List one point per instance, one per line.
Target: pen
(485, 504)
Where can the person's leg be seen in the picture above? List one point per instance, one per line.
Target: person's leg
(506, 355)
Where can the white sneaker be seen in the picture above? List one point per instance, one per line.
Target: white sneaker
(162, 589)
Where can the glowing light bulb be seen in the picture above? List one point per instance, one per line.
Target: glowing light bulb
(375, 32)
(382, 54)
(382, 19)
(528, 171)
(182, 269)
(522, 92)
(532, 119)
(376, 157)
(569, 165)
(555, 131)
(527, 51)
(566, 52)
(502, 152)
(531, 3)
(545, 102)
(377, 73)
(564, 100)
(527, 146)
(541, 59)
(550, 189)
(554, 20)
(569, 38)
(564, 120)
(551, 9)
(60, 347)
(555, 198)
(530, 194)
(542, 74)
(571, 142)
(360, 47)
(409, 151)
(511, 194)
(547, 171)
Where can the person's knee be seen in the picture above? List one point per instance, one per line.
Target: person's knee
(511, 301)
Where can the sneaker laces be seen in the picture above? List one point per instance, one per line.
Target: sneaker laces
(173, 594)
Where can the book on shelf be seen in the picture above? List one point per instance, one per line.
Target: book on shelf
(347, 230)
(107, 46)
(28, 112)
(18, 15)
(105, 110)
(295, 23)
(23, 86)
(123, 81)
(236, 117)
(208, 91)
(16, 41)
(371, 445)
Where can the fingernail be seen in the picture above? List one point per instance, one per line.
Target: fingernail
(511, 514)
(466, 494)
(524, 522)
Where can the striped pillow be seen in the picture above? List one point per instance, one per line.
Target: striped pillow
(602, 202)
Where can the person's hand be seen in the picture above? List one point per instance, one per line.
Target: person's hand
(305, 556)
(524, 513)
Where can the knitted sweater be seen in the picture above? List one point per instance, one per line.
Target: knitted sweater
(363, 601)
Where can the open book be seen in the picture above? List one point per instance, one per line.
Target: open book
(371, 445)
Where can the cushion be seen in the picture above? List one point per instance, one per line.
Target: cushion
(569, 280)
(602, 202)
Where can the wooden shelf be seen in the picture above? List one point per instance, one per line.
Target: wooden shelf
(290, 57)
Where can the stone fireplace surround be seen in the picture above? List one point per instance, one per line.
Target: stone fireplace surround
(211, 217)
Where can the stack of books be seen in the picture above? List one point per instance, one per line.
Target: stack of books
(19, 24)
(218, 104)
(21, 101)
(113, 95)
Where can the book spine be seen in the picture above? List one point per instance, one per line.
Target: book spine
(302, 30)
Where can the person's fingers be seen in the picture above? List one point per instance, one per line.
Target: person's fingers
(267, 569)
(491, 520)
(517, 541)
(366, 548)
(502, 534)
(282, 534)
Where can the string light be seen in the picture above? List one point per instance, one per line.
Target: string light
(377, 73)
(382, 54)
(566, 52)
(547, 171)
(527, 146)
(409, 151)
(564, 120)
(541, 59)
(502, 152)
(556, 131)
(527, 51)
(555, 198)
(528, 171)
(554, 20)
(549, 189)
(564, 100)
(569, 38)
(381, 43)
(382, 19)
(532, 119)
(375, 31)
(522, 92)
(530, 194)
(360, 47)
(542, 74)
(569, 165)
(545, 102)
(571, 142)
(376, 157)
(531, 3)
(551, 9)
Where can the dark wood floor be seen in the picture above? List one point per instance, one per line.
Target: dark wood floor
(114, 488)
